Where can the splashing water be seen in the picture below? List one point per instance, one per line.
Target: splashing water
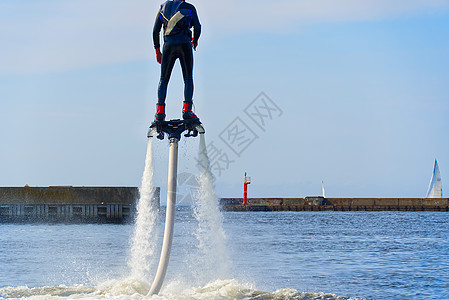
(128, 289)
(143, 246)
(213, 261)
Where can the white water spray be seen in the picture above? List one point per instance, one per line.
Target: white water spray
(213, 260)
(143, 246)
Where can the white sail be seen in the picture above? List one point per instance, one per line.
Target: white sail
(322, 189)
(435, 186)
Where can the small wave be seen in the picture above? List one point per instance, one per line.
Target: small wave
(47, 292)
(231, 289)
(134, 289)
(126, 287)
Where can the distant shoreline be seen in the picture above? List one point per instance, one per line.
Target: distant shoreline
(335, 204)
(67, 204)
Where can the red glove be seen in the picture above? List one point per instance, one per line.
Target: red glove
(194, 45)
(158, 55)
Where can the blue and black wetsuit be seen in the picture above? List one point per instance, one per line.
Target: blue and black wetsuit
(177, 18)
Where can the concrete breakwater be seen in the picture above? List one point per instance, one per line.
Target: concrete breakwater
(335, 204)
(118, 204)
(69, 204)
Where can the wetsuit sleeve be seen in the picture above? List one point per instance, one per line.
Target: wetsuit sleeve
(156, 30)
(196, 26)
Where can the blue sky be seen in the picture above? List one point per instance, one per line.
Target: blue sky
(363, 87)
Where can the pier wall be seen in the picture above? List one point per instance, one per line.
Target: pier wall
(335, 204)
(69, 204)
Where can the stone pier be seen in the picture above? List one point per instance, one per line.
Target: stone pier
(335, 204)
(69, 204)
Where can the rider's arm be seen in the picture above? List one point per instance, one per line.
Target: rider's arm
(156, 30)
(196, 26)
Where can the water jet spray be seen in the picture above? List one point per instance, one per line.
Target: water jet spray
(174, 129)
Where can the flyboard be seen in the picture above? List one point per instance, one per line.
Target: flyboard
(174, 129)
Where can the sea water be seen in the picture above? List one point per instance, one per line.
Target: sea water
(245, 255)
(272, 255)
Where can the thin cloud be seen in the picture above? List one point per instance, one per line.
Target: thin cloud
(45, 35)
(275, 15)
(51, 36)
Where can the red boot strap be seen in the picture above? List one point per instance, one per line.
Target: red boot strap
(186, 107)
(161, 109)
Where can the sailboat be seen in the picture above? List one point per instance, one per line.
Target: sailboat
(435, 186)
(322, 189)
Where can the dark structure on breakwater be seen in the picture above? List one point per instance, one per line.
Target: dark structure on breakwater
(335, 204)
(69, 204)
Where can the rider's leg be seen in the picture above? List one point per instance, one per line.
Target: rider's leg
(168, 61)
(186, 60)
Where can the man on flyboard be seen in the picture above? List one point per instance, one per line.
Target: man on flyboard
(177, 18)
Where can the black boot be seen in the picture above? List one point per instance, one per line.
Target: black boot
(160, 113)
(187, 113)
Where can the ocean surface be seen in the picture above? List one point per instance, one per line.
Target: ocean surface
(267, 255)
